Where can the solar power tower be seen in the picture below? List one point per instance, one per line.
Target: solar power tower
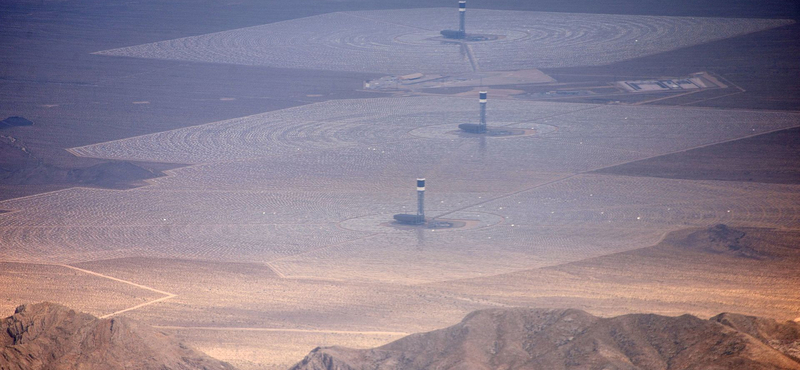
(419, 218)
(482, 100)
(479, 128)
(421, 198)
(462, 17)
(461, 33)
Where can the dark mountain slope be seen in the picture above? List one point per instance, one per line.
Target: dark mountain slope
(784, 337)
(564, 339)
(53, 337)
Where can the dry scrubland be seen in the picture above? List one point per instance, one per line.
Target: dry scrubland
(247, 349)
(684, 273)
(84, 292)
(270, 242)
(246, 314)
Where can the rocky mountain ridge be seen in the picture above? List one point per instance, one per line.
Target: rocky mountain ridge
(573, 339)
(53, 337)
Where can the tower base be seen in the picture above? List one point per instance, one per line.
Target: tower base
(473, 128)
(453, 34)
(407, 219)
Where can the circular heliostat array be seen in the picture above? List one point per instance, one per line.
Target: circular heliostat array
(408, 40)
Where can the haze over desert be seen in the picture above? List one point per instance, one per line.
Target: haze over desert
(224, 179)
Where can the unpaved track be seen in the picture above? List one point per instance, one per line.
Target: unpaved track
(167, 295)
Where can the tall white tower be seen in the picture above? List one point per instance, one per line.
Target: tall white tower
(462, 15)
(482, 100)
(421, 198)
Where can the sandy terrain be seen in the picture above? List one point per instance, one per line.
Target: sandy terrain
(246, 314)
(675, 276)
(69, 286)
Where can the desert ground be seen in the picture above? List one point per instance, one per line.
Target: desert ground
(265, 230)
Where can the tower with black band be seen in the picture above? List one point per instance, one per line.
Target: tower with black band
(419, 218)
(461, 33)
(480, 127)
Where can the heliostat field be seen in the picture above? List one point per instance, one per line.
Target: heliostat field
(309, 190)
(273, 233)
(408, 40)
